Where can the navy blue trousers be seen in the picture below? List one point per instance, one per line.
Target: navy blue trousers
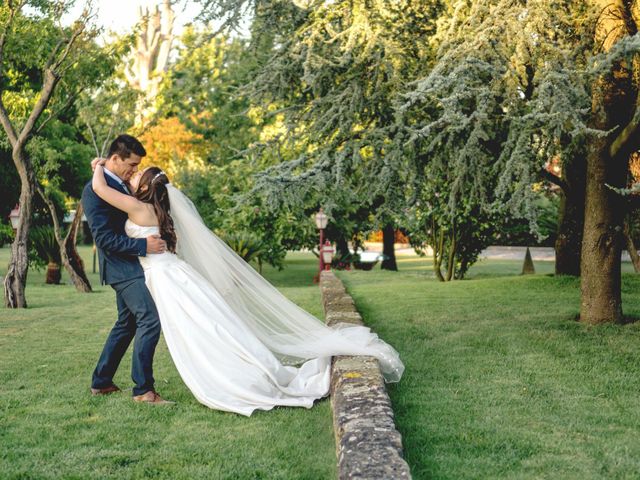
(137, 318)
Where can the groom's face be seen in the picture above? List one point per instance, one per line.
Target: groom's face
(127, 167)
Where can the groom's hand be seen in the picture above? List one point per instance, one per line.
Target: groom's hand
(155, 244)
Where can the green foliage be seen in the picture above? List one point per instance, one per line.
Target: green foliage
(107, 111)
(516, 231)
(43, 246)
(6, 234)
(61, 159)
(343, 261)
(245, 244)
(509, 92)
(456, 236)
(211, 73)
(336, 77)
(202, 90)
(36, 37)
(57, 147)
(216, 191)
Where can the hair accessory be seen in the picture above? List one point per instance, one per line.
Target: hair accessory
(161, 172)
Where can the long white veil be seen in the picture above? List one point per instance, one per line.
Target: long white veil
(289, 332)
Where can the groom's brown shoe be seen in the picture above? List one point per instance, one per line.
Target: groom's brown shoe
(104, 391)
(152, 398)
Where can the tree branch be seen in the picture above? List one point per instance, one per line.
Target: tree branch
(54, 52)
(6, 123)
(628, 137)
(51, 80)
(4, 115)
(93, 139)
(52, 210)
(7, 26)
(556, 180)
(108, 137)
(55, 114)
(76, 33)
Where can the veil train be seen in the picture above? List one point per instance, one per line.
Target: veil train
(289, 332)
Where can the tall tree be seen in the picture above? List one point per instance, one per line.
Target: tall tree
(61, 166)
(20, 32)
(615, 107)
(150, 56)
(60, 153)
(335, 75)
(213, 126)
(560, 81)
(506, 96)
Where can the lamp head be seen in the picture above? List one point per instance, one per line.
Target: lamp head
(321, 219)
(14, 216)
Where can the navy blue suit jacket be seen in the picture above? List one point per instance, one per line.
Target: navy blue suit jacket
(118, 254)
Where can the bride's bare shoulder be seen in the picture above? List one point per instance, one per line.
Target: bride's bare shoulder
(145, 216)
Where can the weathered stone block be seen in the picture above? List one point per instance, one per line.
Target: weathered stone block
(367, 442)
(343, 317)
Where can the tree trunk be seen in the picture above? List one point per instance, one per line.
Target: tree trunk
(16, 279)
(150, 56)
(631, 248)
(388, 249)
(53, 274)
(611, 106)
(437, 247)
(68, 253)
(602, 242)
(451, 260)
(342, 246)
(71, 258)
(568, 245)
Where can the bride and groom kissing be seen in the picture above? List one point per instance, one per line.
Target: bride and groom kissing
(238, 344)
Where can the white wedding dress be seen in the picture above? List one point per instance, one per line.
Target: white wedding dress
(238, 344)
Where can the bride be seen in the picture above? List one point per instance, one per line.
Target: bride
(237, 342)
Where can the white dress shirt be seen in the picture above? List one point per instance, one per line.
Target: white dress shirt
(117, 179)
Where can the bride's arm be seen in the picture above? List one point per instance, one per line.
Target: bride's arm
(121, 201)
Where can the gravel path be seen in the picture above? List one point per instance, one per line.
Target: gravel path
(494, 252)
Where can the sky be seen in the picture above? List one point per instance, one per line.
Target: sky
(120, 15)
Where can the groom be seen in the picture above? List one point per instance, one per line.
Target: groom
(120, 268)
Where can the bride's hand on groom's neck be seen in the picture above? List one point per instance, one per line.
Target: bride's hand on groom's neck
(97, 161)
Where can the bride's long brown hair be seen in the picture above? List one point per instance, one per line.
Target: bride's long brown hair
(156, 194)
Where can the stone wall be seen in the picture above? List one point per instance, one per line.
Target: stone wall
(368, 444)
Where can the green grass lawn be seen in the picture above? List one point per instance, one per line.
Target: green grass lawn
(500, 380)
(51, 427)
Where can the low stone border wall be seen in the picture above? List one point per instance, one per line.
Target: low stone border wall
(368, 444)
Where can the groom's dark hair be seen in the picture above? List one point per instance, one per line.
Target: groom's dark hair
(124, 145)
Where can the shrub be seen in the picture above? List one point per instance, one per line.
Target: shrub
(6, 234)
